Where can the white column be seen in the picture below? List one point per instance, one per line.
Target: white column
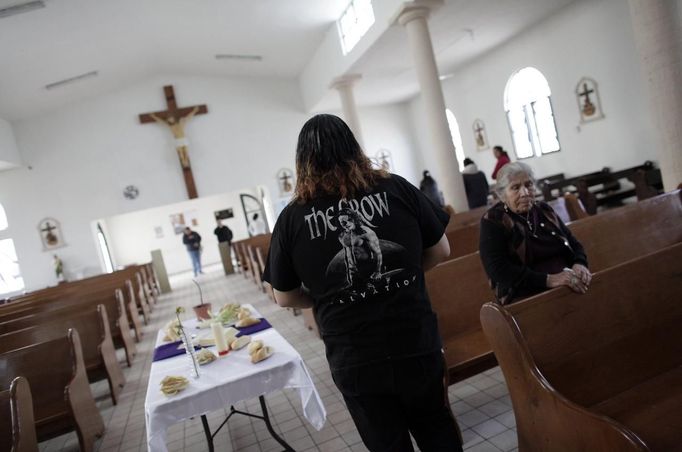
(658, 34)
(344, 85)
(413, 16)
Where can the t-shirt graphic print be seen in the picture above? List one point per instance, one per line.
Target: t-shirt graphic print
(360, 260)
(364, 264)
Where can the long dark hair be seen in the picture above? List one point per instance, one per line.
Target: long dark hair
(330, 161)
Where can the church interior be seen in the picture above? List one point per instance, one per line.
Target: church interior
(123, 124)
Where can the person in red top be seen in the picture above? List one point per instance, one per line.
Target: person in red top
(502, 159)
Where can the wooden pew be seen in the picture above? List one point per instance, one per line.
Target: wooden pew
(241, 258)
(261, 262)
(65, 402)
(17, 430)
(574, 208)
(99, 354)
(463, 240)
(600, 371)
(467, 218)
(40, 311)
(140, 294)
(608, 185)
(457, 290)
(152, 278)
(459, 287)
(130, 308)
(247, 261)
(630, 231)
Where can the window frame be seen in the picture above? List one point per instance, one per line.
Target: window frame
(530, 116)
(5, 234)
(346, 45)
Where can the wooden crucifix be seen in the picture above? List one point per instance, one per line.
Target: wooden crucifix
(176, 118)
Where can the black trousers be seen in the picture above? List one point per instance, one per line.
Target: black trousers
(392, 399)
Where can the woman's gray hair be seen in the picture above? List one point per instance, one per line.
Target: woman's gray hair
(509, 172)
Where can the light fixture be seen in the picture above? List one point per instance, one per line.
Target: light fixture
(231, 56)
(21, 8)
(66, 81)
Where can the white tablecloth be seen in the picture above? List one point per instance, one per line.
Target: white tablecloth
(224, 382)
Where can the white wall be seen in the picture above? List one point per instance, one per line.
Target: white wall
(83, 155)
(329, 62)
(588, 38)
(9, 154)
(131, 236)
(388, 127)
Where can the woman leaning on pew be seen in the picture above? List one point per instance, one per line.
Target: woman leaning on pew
(353, 245)
(524, 246)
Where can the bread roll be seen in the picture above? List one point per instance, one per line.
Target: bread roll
(171, 385)
(205, 356)
(261, 354)
(243, 313)
(247, 321)
(240, 342)
(255, 346)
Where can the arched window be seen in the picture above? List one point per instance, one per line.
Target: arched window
(10, 276)
(104, 249)
(456, 138)
(527, 101)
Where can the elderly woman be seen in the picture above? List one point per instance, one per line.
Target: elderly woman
(525, 247)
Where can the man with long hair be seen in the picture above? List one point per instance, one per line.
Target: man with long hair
(359, 240)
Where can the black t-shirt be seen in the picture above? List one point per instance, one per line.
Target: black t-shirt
(361, 261)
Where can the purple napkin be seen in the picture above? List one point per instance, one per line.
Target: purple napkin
(260, 326)
(170, 350)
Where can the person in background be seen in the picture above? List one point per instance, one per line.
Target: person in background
(525, 248)
(256, 226)
(429, 187)
(354, 244)
(475, 184)
(502, 159)
(224, 235)
(192, 241)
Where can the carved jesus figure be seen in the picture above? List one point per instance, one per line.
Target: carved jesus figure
(178, 130)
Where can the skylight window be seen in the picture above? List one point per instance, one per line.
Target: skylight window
(354, 23)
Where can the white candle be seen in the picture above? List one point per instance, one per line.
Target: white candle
(219, 338)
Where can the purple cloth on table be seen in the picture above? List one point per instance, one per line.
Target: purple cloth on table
(260, 326)
(166, 351)
(170, 350)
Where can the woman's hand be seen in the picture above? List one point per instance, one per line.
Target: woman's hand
(567, 278)
(583, 273)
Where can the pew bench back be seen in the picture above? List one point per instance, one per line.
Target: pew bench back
(609, 359)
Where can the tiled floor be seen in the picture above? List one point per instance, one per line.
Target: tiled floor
(481, 403)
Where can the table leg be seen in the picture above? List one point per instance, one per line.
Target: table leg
(265, 417)
(274, 434)
(207, 432)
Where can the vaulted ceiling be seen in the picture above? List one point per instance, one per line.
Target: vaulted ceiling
(127, 40)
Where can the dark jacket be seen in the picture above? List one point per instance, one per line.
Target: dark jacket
(429, 187)
(192, 241)
(504, 254)
(224, 234)
(476, 187)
